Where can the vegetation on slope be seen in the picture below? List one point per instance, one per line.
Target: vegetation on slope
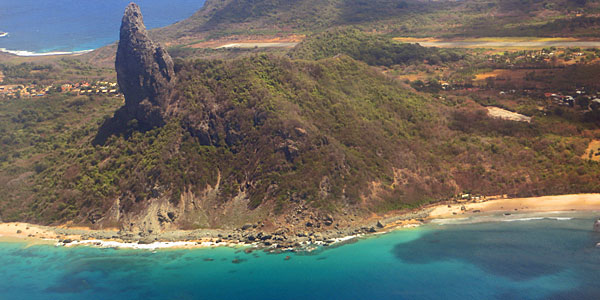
(37, 134)
(333, 133)
(284, 132)
(270, 16)
(51, 71)
(470, 18)
(375, 50)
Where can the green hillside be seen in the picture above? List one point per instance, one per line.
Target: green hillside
(335, 135)
(470, 18)
(375, 50)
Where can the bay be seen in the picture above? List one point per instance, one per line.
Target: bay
(42, 26)
(535, 258)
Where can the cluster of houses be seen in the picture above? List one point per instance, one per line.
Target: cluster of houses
(18, 91)
(544, 55)
(568, 100)
(560, 99)
(101, 87)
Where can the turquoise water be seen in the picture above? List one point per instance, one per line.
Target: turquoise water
(536, 259)
(73, 25)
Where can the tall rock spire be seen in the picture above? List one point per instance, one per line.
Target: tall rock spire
(145, 75)
(144, 71)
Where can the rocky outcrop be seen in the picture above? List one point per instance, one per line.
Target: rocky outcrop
(144, 71)
(145, 75)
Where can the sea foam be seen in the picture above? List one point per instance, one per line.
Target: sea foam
(30, 54)
(498, 218)
(538, 218)
(151, 246)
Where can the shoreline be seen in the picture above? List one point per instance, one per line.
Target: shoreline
(449, 212)
(25, 53)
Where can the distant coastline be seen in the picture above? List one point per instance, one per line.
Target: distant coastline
(46, 28)
(31, 54)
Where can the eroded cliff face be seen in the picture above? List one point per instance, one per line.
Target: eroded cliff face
(145, 75)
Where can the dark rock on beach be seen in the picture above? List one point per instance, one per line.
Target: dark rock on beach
(146, 241)
(328, 220)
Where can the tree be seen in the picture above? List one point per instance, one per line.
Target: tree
(583, 102)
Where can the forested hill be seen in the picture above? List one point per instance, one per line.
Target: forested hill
(375, 50)
(256, 138)
(244, 16)
(405, 17)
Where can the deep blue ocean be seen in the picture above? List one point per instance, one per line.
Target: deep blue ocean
(43, 26)
(528, 259)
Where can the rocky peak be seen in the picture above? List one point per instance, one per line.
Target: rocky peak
(144, 72)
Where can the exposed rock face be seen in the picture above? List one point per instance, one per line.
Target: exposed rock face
(145, 75)
(144, 71)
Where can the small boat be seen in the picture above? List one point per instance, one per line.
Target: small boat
(3, 34)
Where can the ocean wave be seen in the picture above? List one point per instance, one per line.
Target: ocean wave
(451, 221)
(538, 218)
(494, 218)
(152, 246)
(29, 53)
